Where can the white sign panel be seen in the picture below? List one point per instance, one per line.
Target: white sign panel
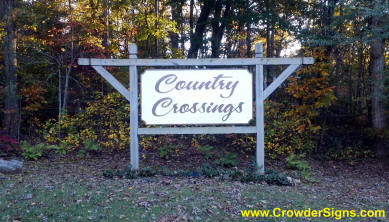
(209, 96)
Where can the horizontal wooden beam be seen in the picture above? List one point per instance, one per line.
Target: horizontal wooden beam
(195, 62)
(197, 130)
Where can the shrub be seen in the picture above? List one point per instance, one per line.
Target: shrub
(168, 150)
(273, 178)
(178, 173)
(208, 171)
(229, 159)
(104, 124)
(108, 173)
(206, 151)
(296, 162)
(9, 145)
(270, 177)
(234, 174)
(146, 172)
(31, 152)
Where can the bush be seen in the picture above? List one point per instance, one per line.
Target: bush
(178, 173)
(208, 171)
(296, 162)
(31, 152)
(108, 173)
(146, 172)
(227, 160)
(103, 125)
(168, 150)
(270, 177)
(273, 178)
(9, 145)
(206, 151)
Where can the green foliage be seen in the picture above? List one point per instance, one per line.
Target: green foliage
(274, 178)
(109, 173)
(249, 174)
(235, 174)
(350, 154)
(176, 173)
(168, 150)
(31, 152)
(129, 173)
(103, 125)
(229, 159)
(270, 177)
(206, 151)
(62, 149)
(208, 171)
(297, 162)
(90, 145)
(146, 172)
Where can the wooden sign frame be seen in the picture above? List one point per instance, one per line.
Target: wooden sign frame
(132, 95)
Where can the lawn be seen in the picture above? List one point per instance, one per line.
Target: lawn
(65, 190)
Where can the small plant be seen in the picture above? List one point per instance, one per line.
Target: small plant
(62, 149)
(178, 173)
(91, 145)
(234, 174)
(147, 172)
(228, 160)
(270, 177)
(206, 151)
(9, 144)
(274, 178)
(250, 175)
(31, 152)
(208, 171)
(167, 151)
(108, 173)
(296, 162)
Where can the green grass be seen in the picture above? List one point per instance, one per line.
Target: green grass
(138, 200)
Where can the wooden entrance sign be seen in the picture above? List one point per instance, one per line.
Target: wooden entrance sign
(196, 96)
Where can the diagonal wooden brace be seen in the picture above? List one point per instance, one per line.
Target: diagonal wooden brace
(113, 81)
(279, 80)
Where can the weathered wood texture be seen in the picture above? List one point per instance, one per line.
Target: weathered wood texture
(260, 94)
(194, 62)
(259, 112)
(197, 130)
(134, 149)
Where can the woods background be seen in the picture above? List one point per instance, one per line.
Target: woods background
(333, 109)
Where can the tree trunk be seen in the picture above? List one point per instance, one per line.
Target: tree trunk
(196, 39)
(377, 63)
(377, 49)
(69, 68)
(106, 21)
(248, 40)
(11, 119)
(176, 10)
(218, 26)
(156, 12)
(191, 6)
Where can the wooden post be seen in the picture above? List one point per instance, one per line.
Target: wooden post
(259, 111)
(134, 145)
(260, 93)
